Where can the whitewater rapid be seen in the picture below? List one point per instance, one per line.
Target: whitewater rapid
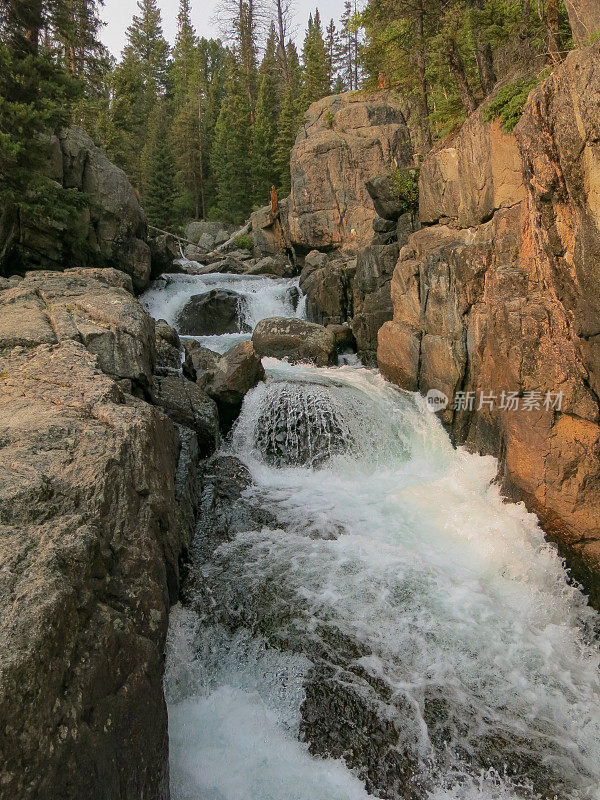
(392, 563)
(261, 298)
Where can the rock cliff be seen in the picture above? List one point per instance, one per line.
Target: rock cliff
(110, 231)
(499, 294)
(96, 507)
(345, 140)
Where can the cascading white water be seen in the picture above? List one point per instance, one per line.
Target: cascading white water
(261, 298)
(441, 596)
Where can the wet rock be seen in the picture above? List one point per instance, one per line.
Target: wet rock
(231, 378)
(215, 312)
(168, 349)
(295, 340)
(326, 280)
(224, 511)
(202, 359)
(300, 425)
(164, 250)
(372, 299)
(187, 404)
(91, 536)
(344, 337)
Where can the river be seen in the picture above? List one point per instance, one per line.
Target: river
(364, 615)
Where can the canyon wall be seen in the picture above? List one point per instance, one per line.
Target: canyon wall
(96, 508)
(496, 302)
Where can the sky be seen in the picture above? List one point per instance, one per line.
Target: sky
(117, 15)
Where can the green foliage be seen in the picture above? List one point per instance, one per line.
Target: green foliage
(405, 189)
(230, 156)
(158, 171)
(315, 63)
(244, 242)
(508, 104)
(264, 131)
(289, 120)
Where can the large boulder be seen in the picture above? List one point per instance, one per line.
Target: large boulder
(206, 235)
(326, 280)
(215, 312)
(295, 340)
(345, 140)
(110, 231)
(91, 537)
(187, 404)
(92, 306)
(231, 378)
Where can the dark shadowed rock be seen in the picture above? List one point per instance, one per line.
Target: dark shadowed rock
(326, 280)
(279, 266)
(202, 359)
(295, 340)
(215, 312)
(231, 377)
(381, 191)
(187, 404)
(168, 349)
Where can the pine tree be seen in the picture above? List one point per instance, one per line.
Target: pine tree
(332, 47)
(184, 69)
(36, 97)
(289, 120)
(230, 156)
(314, 58)
(158, 170)
(264, 130)
(147, 45)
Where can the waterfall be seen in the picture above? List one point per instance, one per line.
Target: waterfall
(364, 615)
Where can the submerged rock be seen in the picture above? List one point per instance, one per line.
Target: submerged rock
(296, 340)
(215, 312)
(300, 425)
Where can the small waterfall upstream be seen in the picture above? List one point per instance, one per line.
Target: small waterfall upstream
(364, 616)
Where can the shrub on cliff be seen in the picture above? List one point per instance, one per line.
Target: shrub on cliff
(508, 104)
(405, 189)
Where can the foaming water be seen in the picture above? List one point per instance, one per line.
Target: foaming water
(261, 298)
(395, 559)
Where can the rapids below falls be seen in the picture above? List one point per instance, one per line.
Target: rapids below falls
(363, 615)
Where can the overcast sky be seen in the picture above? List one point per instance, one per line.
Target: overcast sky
(118, 14)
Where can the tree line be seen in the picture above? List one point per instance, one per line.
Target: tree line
(205, 128)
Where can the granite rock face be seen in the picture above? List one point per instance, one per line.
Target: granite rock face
(94, 307)
(91, 538)
(111, 229)
(584, 16)
(345, 140)
(97, 504)
(511, 303)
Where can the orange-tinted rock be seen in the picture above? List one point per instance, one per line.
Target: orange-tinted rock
(345, 140)
(513, 304)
